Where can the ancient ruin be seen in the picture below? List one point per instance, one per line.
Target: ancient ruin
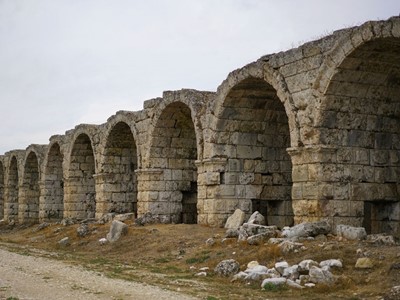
(307, 134)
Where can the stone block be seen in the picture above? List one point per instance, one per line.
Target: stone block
(351, 233)
(235, 220)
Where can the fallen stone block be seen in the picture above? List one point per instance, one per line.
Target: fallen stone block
(117, 229)
(350, 232)
(235, 220)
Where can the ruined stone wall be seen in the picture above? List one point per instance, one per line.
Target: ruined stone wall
(305, 134)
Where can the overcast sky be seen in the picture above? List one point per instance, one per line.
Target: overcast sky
(66, 62)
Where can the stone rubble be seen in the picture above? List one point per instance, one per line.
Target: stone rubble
(117, 229)
(350, 232)
(307, 273)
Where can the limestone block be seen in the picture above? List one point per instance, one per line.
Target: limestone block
(117, 230)
(248, 152)
(235, 220)
(300, 173)
(246, 178)
(212, 178)
(351, 233)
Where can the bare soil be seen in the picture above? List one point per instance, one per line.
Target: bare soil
(168, 256)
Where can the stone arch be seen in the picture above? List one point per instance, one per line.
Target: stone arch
(29, 192)
(359, 117)
(116, 182)
(272, 78)
(52, 203)
(79, 186)
(1, 190)
(170, 183)
(254, 125)
(11, 203)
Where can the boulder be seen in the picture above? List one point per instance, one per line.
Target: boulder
(260, 238)
(257, 269)
(124, 217)
(289, 246)
(247, 230)
(273, 282)
(292, 284)
(291, 272)
(227, 267)
(318, 275)
(307, 229)
(252, 264)
(350, 232)
(281, 266)
(235, 220)
(364, 263)
(241, 276)
(381, 239)
(117, 229)
(82, 230)
(106, 218)
(331, 263)
(257, 218)
(306, 265)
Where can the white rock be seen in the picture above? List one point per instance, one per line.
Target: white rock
(318, 275)
(235, 220)
(201, 274)
(204, 269)
(291, 273)
(117, 229)
(273, 281)
(254, 276)
(272, 273)
(257, 269)
(256, 218)
(332, 263)
(310, 285)
(281, 266)
(293, 284)
(103, 241)
(227, 267)
(307, 229)
(241, 276)
(305, 265)
(289, 246)
(350, 232)
(252, 264)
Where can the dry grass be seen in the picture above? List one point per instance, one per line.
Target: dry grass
(170, 255)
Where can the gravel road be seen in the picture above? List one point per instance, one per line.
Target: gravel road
(30, 277)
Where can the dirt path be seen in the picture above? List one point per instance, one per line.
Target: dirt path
(30, 277)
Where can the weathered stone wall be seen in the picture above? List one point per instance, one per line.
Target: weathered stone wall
(305, 134)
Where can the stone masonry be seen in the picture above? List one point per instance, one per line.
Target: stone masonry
(306, 134)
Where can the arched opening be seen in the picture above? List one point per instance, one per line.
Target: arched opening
(253, 134)
(361, 117)
(11, 206)
(174, 149)
(30, 192)
(53, 198)
(120, 163)
(81, 186)
(1, 190)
